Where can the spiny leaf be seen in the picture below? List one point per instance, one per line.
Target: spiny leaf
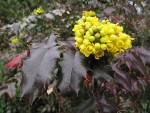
(78, 71)
(38, 70)
(66, 67)
(134, 63)
(144, 55)
(101, 73)
(136, 59)
(122, 78)
(73, 70)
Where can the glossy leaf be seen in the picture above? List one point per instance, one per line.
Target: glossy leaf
(122, 78)
(136, 59)
(38, 70)
(73, 71)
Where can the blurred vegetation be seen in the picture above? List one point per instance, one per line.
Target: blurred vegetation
(17, 20)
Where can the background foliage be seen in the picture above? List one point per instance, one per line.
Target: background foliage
(17, 20)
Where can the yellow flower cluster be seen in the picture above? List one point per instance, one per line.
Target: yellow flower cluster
(38, 11)
(100, 38)
(88, 13)
(14, 40)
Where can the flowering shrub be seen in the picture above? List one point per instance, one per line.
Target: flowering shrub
(99, 38)
(57, 67)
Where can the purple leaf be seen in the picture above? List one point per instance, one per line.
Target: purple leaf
(38, 70)
(106, 105)
(109, 11)
(122, 78)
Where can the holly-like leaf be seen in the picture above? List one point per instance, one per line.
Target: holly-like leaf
(73, 70)
(38, 70)
(101, 72)
(122, 78)
(136, 59)
(144, 55)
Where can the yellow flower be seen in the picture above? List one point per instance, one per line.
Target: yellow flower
(97, 38)
(14, 40)
(94, 20)
(98, 54)
(90, 49)
(38, 11)
(89, 13)
(119, 43)
(109, 46)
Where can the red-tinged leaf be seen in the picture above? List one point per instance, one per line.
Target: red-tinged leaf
(109, 11)
(114, 19)
(73, 71)
(38, 70)
(88, 79)
(106, 105)
(15, 62)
